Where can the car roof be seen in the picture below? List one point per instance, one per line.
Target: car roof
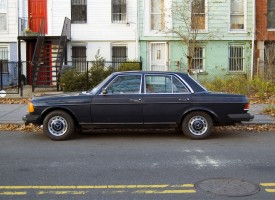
(151, 72)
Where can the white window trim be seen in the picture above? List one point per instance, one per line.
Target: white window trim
(6, 46)
(119, 22)
(206, 4)
(203, 61)
(239, 45)
(147, 19)
(244, 30)
(5, 12)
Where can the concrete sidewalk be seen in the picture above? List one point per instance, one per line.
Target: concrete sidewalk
(12, 113)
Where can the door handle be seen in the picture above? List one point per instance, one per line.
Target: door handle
(184, 99)
(135, 100)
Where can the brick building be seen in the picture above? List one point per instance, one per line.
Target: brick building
(265, 39)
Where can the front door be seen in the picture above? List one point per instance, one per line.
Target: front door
(120, 103)
(37, 15)
(158, 56)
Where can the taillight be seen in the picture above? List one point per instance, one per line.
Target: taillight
(246, 106)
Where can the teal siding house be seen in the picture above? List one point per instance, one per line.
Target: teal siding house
(207, 38)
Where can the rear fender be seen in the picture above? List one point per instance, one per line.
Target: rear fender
(212, 114)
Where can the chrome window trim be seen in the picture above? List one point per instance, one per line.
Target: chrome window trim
(171, 75)
(186, 84)
(198, 83)
(123, 93)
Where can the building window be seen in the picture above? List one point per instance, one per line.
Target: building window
(157, 15)
(119, 11)
(198, 59)
(4, 57)
(237, 15)
(271, 14)
(236, 58)
(79, 58)
(79, 11)
(3, 15)
(198, 14)
(119, 54)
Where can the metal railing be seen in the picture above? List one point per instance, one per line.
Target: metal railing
(9, 77)
(91, 71)
(65, 35)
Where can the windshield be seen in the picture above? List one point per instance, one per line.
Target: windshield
(100, 85)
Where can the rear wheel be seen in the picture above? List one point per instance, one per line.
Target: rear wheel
(197, 125)
(58, 125)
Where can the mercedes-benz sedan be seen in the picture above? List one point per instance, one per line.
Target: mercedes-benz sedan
(139, 99)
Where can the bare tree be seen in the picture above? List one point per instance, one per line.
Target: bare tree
(189, 21)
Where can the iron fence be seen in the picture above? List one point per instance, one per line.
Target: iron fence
(94, 71)
(17, 77)
(85, 66)
(9, 77)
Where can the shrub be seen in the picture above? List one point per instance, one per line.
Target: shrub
(129, 66)
(241, 85)
(261, 89)
(234, 84)
(72, 80)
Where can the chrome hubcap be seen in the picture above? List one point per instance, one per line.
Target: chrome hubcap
(198, 125)
(57, 126)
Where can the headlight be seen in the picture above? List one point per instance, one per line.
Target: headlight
(30, 107)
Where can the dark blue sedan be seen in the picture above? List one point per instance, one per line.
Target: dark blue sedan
(139, 100)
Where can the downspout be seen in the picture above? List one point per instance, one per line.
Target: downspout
(137, 33)
(253, 37)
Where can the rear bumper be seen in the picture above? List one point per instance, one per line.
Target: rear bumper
(34, 119)
(241, 117)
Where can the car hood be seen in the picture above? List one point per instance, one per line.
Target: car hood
(71, 97)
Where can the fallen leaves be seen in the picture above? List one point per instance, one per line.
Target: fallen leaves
(19, 127)
(14, 100)
(270, 110)
(239, 127)
(248, 127)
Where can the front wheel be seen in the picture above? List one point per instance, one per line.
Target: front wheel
(197, 125)
(58, 125)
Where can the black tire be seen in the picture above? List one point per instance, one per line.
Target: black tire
(58, 125)
(197, 125)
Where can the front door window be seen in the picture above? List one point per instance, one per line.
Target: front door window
(125, 85)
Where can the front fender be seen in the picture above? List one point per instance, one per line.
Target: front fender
(46, 111)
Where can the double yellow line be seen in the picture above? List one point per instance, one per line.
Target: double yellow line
(108, 189)
(74, 189)
(269, 185)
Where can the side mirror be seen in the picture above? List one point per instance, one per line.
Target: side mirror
(104, 91)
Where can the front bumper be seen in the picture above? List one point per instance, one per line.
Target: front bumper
(34, 119)
(241, 117)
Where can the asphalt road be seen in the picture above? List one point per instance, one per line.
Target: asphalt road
(139, 165)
